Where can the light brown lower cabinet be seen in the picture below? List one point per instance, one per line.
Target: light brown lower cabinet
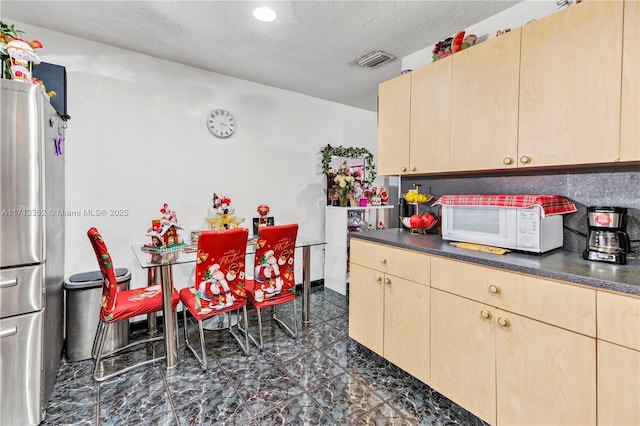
(508, 369)
(618, 385)
(513, 349)
(390, 316)
(618, 359)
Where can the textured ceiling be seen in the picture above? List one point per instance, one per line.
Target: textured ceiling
(309, 49)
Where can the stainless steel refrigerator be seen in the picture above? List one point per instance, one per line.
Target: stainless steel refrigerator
(31, 251)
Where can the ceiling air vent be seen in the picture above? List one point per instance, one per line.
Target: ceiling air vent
(374, 59)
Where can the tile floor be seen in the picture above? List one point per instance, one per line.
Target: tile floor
(322, 378)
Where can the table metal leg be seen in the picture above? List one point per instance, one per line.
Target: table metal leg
(153, 278)
(169, 317)
(306, 283)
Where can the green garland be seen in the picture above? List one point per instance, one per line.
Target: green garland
(350, 152)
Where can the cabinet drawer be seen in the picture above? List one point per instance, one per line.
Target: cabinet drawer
(21, 290)
(563, 305)
(619, 319)
(406, 264)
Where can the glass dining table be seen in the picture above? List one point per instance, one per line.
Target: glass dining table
(159, 266)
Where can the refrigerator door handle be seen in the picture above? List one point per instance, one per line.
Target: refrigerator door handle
(8, 331)
(9, 283)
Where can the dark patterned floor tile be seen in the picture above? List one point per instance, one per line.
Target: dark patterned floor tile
(382, 415)
(301, 410)
(323, 334)
(188, 384)
(389, 380)
(285, 349)
(135, 406)
(325, 310)
(264, 389)
(146, 379)
(346, 398)
(336, 298)
(74, 370)
(348, 353)
(63, 415)
(423, 406)
(312, 369)
(239, 367)
(165, 419)
(223, 406)
(72, 397)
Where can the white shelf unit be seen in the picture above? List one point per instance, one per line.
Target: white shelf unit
(336, 231)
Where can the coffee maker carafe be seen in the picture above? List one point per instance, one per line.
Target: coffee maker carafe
(607, 240)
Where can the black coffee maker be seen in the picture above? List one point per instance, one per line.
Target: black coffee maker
(607, 240)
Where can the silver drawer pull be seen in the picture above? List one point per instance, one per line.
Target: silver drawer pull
(8, 331)
(9, 283)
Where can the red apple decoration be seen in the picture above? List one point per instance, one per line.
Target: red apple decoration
(415, 221)
(427, 220)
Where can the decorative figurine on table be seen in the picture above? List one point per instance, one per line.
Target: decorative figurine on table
(263, 218)
(164, 231)
(263, 211)
(222, 216)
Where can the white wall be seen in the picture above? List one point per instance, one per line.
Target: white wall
(512, 18)
(137, 139)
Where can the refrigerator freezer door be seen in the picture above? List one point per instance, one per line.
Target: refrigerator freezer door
(21, 290)
(21, 370)
(22, 166)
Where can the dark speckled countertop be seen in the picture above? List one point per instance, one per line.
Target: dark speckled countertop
(557, 264)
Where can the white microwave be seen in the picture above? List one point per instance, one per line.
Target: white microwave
(521, 229)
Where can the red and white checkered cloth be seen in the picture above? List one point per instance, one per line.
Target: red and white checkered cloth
(550, 204)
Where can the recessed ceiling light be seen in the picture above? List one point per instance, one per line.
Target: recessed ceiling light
(264, 14)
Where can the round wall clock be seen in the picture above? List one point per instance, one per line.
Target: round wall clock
(221, 123)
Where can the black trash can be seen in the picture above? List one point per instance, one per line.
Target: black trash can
(83, 300)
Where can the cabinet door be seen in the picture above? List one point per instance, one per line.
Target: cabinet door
(545, 374)
(484, 104)
(430, 117)
(630, 109)
(463, 353)
(570, 77)
(406, 326)
(366, 308)
(618, 385)
(393, 125)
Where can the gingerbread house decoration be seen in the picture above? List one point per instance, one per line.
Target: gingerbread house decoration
(164, 231)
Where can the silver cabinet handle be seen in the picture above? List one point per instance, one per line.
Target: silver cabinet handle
(9, 331)
(525, 159)
(9, 283)
(387, 281)
(507, 161)
(485, 314)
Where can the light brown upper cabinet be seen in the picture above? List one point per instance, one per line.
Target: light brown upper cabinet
(484, 104)
(430, 118)
(394, 104)
(630, 111)
(570, 81)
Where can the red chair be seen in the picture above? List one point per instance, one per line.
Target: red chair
(120, 306)
(274, 283)
(219, 285)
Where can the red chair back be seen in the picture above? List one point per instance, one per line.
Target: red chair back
(220, 268)
(110, 285)
(274, 259)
